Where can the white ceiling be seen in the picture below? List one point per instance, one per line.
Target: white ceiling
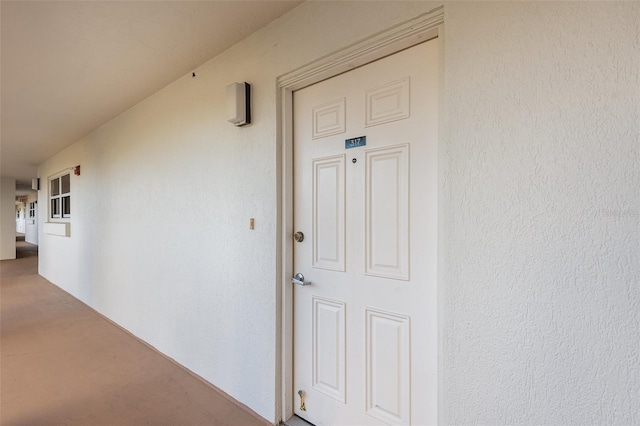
(67, 67)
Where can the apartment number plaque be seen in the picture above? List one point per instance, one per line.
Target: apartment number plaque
(355, 142)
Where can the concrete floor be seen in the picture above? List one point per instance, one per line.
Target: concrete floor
(61, 363)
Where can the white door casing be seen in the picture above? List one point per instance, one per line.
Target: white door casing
(365, 331)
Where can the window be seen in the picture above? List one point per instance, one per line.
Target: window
(32, 210)
(60, 196)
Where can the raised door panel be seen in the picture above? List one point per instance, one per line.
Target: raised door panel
(387, 103)
(329, 348)
(388, 366)
(387, 212)
(328, 119)
(329, 213)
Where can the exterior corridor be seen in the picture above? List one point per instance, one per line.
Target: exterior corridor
(62, 363)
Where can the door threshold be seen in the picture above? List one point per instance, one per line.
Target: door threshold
(296, 421)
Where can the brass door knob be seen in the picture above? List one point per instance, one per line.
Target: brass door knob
(298, 236)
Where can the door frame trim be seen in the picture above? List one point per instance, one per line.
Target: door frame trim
(422, 28)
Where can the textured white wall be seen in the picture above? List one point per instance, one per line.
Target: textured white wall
(539, 251)
(160, 240)
(7, 219)
(541, 222)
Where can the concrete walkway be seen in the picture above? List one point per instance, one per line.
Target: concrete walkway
(61, 363)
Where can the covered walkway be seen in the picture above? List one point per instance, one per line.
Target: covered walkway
(62, 363)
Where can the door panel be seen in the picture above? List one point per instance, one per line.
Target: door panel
(329, 348)
(328, 213)
(388, 366)
(365, 329)
(387, 212)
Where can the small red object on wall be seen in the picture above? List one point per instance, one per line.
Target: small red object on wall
(76, 170)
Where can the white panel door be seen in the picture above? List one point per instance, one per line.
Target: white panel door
(365, 329)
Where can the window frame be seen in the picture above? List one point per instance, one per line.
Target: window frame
(61, 200)
(32, 210)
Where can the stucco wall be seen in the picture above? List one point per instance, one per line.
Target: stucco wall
(541, 223)
(539, 228)
(7, 219)
(160, 239)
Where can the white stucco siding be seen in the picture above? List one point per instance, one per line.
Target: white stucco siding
(539, 228)
(541, 223)
(7, 219)
(160, 239)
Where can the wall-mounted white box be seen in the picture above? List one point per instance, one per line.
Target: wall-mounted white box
(56, 228)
